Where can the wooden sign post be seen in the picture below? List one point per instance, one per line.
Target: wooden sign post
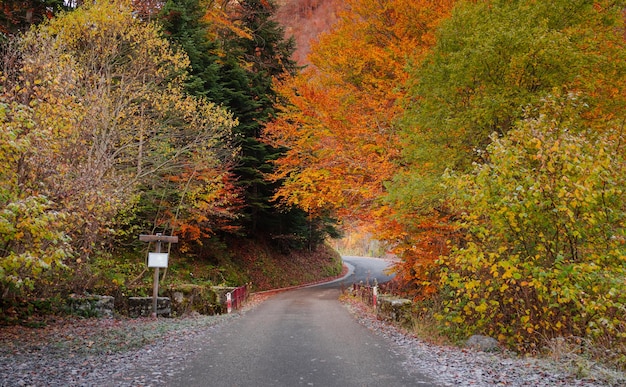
(157, 260)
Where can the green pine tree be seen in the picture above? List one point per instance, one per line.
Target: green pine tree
(238, 72)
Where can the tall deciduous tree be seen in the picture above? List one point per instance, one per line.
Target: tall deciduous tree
(339, 124)
(109, 118)
(529, 96)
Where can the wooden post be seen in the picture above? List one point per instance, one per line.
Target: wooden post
(155, 287)
(158, 238)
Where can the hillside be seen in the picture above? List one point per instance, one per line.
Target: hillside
(269, 268)
(305, 20)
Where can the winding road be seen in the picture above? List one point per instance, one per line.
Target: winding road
(302, 337)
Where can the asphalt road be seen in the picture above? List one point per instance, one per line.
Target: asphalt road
(303, 337)
(362, 270)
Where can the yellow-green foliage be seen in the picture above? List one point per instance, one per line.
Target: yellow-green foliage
(30, 238)
(93, 111)
(546, 249)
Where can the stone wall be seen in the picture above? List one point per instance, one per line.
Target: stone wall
(188, 299)
(142, 307)
(91, 306)
(179, 300)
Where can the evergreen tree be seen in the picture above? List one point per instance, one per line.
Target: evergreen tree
(251, 96)
(184, 25)
(237, 70)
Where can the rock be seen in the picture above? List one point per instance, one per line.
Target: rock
(394, 309)
(178, 297)
(483, 343)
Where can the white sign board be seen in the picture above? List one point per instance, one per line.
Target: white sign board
(157, 259)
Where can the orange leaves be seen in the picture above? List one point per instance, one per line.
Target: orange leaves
(210, 204)
(339, 125)
(340, 131)
(420, 242)
(334, 155)
(373, 41)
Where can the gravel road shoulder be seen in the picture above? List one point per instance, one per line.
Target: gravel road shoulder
(453, 366)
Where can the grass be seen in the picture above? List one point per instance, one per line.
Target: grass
(425, 327)
(586, 359)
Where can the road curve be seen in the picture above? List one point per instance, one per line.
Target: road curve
(302, 337)
(364, 270)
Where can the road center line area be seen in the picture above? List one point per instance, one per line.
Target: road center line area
(301, 337)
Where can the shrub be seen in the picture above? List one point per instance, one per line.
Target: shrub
(545, 249)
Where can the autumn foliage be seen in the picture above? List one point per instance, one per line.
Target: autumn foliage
(340, 122)
(483, 139)
(128, 117)
(93, 112)
(545, 223)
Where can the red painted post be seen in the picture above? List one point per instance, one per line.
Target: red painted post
(375, 295)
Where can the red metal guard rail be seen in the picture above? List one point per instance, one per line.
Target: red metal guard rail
(236, 298)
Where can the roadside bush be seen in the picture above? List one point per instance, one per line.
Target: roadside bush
(31, 236)
(545, 249)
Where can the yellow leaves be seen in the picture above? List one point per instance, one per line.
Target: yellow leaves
(472, 284)
(34, 240)
(101, 116)
(506, 269)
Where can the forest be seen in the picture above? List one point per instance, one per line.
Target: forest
(125, 118)
(482, 141)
